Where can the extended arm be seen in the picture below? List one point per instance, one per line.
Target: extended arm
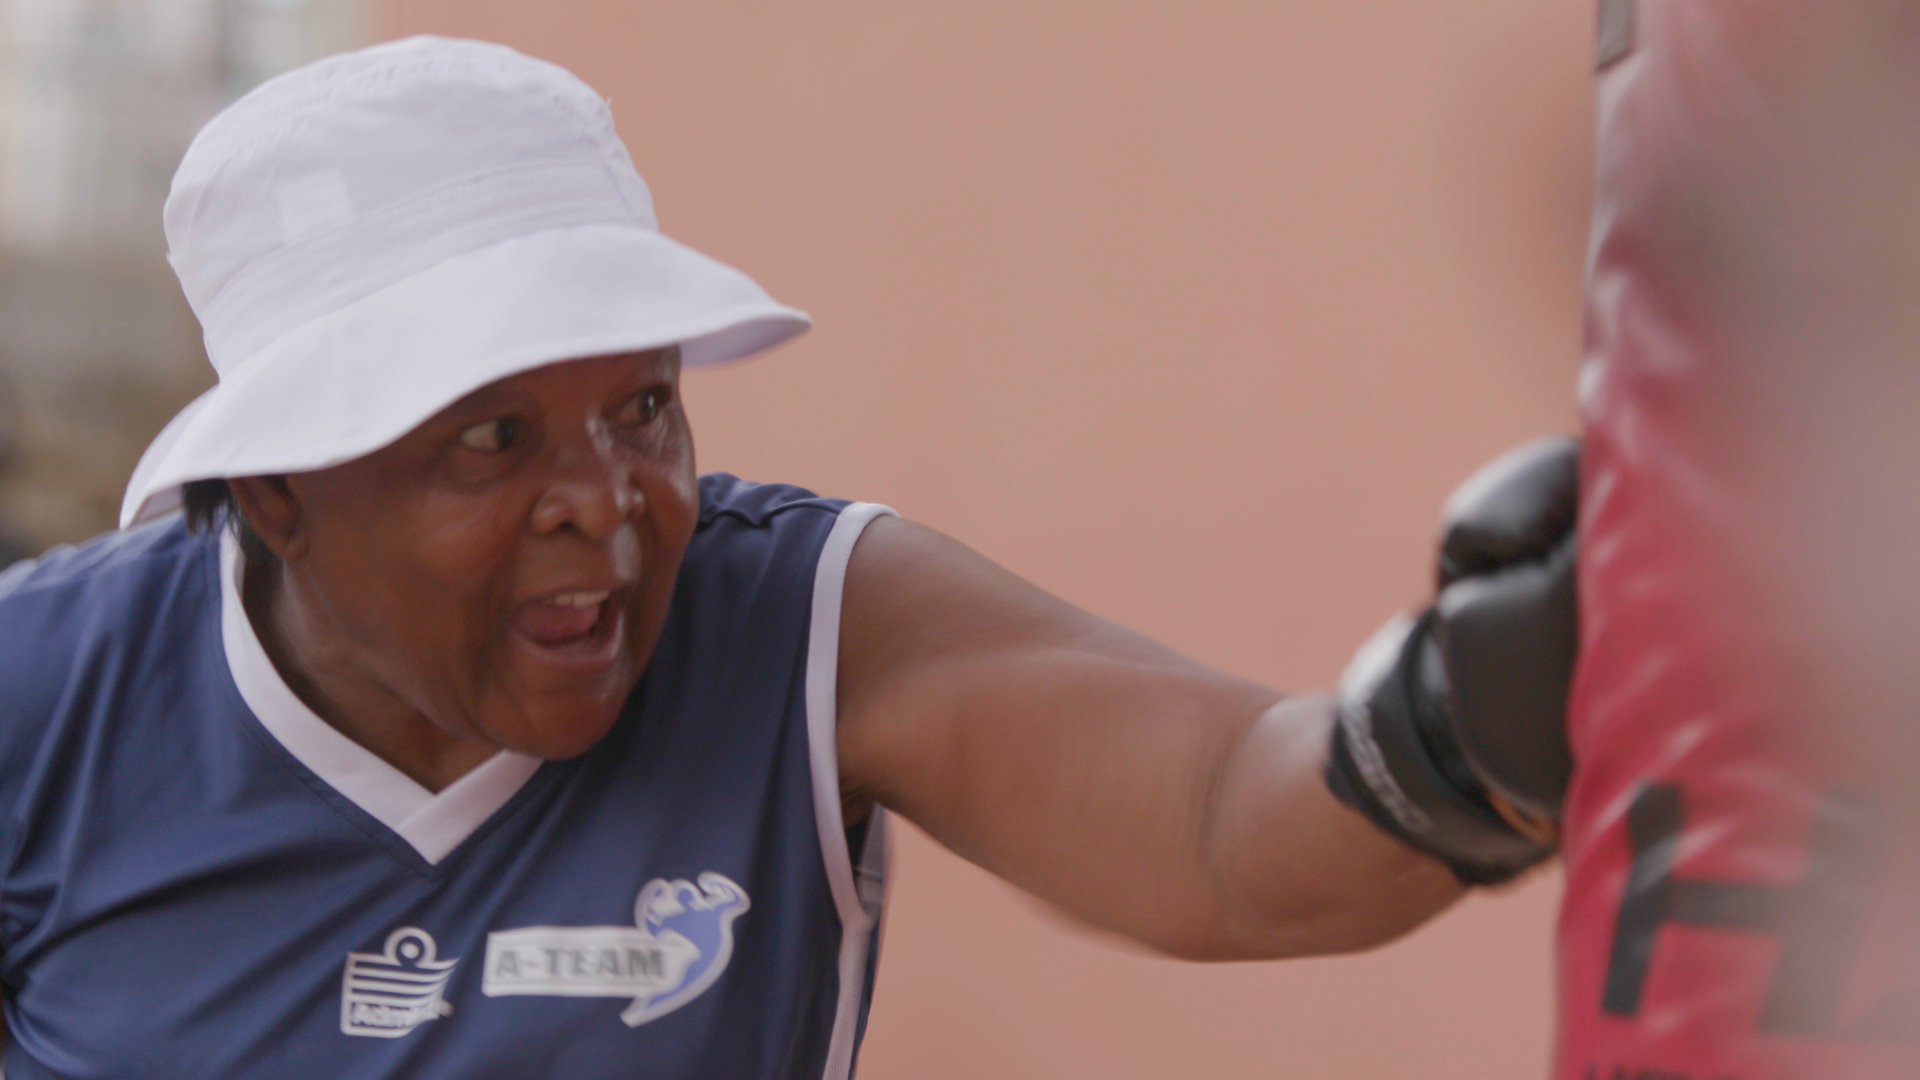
(1138, 790)
(1196, 812)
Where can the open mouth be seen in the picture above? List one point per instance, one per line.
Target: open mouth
(577, 629)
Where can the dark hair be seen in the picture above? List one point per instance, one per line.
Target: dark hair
(209, 505)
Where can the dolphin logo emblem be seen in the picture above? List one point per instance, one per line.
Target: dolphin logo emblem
(701, 917)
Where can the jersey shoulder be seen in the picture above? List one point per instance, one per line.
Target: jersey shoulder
(758, 528)
(751, 561)
(109, 571)
(93, 613)
(727, 499)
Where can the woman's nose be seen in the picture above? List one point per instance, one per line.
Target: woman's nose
(592, 488)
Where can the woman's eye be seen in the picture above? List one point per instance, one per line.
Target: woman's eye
(492, 436)
(642, 408)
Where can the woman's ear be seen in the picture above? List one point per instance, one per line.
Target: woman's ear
(273, 511)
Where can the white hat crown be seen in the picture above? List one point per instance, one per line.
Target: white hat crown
(369, 238)
(332, 181)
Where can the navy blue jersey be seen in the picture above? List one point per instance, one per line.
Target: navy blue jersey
(202, 879)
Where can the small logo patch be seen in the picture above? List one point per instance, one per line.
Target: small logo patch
(679, 945)
(387, 994)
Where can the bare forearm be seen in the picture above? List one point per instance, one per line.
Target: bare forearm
(1081, 778)
(1295, 871)
(1193, 817)
(1137, 790)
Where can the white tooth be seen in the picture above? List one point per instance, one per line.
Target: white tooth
(580, 599)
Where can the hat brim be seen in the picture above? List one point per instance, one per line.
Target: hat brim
(359, 378)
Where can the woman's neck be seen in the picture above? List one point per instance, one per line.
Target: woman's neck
(324, 677)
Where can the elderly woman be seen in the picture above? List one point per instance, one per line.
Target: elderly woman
(456, 728)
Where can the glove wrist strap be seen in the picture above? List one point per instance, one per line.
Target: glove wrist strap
(1390, 727)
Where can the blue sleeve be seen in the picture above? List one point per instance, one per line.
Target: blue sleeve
(74, 624)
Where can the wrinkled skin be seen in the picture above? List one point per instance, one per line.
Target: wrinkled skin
(430, 596)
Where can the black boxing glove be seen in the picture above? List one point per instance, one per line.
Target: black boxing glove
(1451, 731)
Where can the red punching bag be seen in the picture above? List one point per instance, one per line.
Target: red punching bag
(1740, 838)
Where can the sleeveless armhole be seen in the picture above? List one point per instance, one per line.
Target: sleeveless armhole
(9, 847)
(857, 889)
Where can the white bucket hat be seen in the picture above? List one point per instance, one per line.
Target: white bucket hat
(372, 237)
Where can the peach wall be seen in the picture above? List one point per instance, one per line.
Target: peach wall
(1191, 312)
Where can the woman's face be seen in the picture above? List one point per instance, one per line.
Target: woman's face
(504, 570)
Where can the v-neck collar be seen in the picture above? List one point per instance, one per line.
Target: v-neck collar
(432, 824)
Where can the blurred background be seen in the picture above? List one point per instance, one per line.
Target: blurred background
(98, 99)
(1192, 312)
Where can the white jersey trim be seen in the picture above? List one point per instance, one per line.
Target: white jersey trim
(858, 899)
(431, 824)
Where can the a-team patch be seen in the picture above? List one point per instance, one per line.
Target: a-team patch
(387, 994)
(680, 943)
